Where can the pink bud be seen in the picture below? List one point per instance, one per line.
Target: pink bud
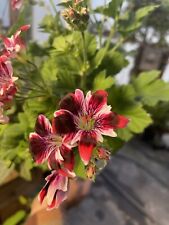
(103, 154)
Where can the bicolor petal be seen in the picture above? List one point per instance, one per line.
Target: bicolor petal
(68, 157)
(86, 145)
(69, 103)
(55, 190)
(43, 126)
(39, 148)
(97, 101)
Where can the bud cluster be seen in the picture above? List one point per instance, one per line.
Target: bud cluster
(77, 15)
(97, 163)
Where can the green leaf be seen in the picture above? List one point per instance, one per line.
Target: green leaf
(25, 169)
(102, 82)
(49, 70)
(144, 11)
(151, 89)
(131, 22)
(11, 135)
(66, 81)
(16, 218)
(5, 169)
(113, 62)
(98, 58)
(113, 144)
(122, 100)
(121, 97)
(65, 3)
(125, 134)
(145, 78)
(139, 119)
(48, 23)
(112, 9)
(63, 44)
(79, 167)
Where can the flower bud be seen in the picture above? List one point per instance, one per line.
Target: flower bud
(76, 16)
(91, 171)
(103, 154)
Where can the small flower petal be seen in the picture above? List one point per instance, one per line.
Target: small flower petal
(97, 101)
(55, 190)
(122, 121)
(73, 102)
(63, 122)
(68, 157)
(108, 132)
(86, 146)
(39, 148)
(43, 126)
(110, 121)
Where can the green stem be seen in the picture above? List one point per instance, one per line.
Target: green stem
(112, 32)
(83, 78)
(53, 6)
(118, 44)
(110, 38)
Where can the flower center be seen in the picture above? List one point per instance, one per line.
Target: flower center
(86, 122)
(55, 140)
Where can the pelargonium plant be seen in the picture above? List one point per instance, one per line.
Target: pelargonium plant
(77, 127)
(56, 80)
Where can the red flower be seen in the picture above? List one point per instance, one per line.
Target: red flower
(7, 85)
(56, 188)
(85, 120)
(16, 4)
(14, 44)
(47, 144)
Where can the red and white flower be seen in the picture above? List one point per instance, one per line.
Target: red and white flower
(14, 44)
(86, 119)
(56, 188)
(7, 85)
(16, 4)
(47, 145)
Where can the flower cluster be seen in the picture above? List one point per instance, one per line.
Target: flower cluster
(8, 89)
(80, 122)
(77, 15)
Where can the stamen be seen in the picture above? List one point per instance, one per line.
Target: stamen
(85, 122)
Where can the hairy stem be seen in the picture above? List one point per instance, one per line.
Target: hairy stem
(84, 74)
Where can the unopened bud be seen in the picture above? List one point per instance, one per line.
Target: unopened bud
(71, 13)
(91, 171)
(84, 11)
(103, 154)
(78, 1)
(77, 16)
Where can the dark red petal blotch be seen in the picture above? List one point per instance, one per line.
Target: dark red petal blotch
(63, 122)
(98, 100)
